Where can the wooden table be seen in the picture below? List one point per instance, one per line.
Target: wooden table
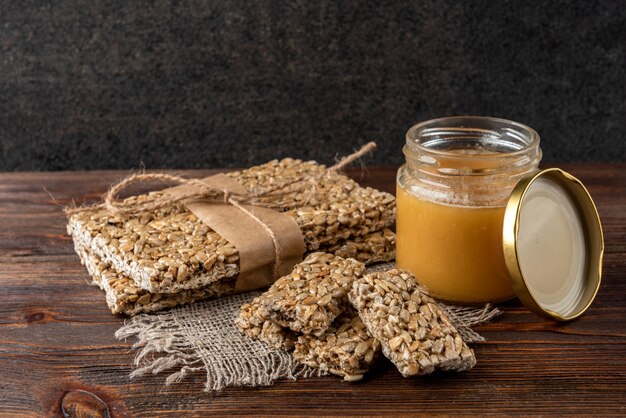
(57, 346)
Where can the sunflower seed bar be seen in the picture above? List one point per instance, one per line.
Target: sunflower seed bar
(415, 333)
(376, 247)
(309, 298)
(344, 349)
(255, 322)
(122, 293)
(170, 249)
(124, 297)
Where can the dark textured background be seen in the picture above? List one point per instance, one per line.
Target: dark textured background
(91, 84)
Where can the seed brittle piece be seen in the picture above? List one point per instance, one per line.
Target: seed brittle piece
(344, 349)
(309, 298)
(415, 333)
(124, 297)
(254, 321)
(376, 247)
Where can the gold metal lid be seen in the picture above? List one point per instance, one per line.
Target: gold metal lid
(553, 244)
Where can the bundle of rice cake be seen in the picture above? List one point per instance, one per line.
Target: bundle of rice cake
(165, 257)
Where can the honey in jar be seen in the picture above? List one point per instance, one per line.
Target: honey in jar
(451, 197)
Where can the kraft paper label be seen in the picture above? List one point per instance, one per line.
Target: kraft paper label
(270, 243)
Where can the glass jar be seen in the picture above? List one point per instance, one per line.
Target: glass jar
(451, 197)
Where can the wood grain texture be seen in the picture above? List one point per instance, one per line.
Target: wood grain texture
(56, 333)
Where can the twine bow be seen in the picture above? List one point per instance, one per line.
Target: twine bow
(269, 198)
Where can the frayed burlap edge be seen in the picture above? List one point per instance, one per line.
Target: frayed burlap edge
(203, 337)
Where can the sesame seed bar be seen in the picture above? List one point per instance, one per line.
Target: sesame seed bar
(415, 333)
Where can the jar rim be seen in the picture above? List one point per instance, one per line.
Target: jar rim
(412, 139)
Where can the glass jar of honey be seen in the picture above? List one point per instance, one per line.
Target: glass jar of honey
(451, 199)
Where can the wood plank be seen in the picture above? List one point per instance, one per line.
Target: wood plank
(56, 333)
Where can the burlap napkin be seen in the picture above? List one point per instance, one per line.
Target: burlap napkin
(202, 337)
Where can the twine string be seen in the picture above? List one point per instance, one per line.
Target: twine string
(348, 159)
(269, 198)
(278, 251)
